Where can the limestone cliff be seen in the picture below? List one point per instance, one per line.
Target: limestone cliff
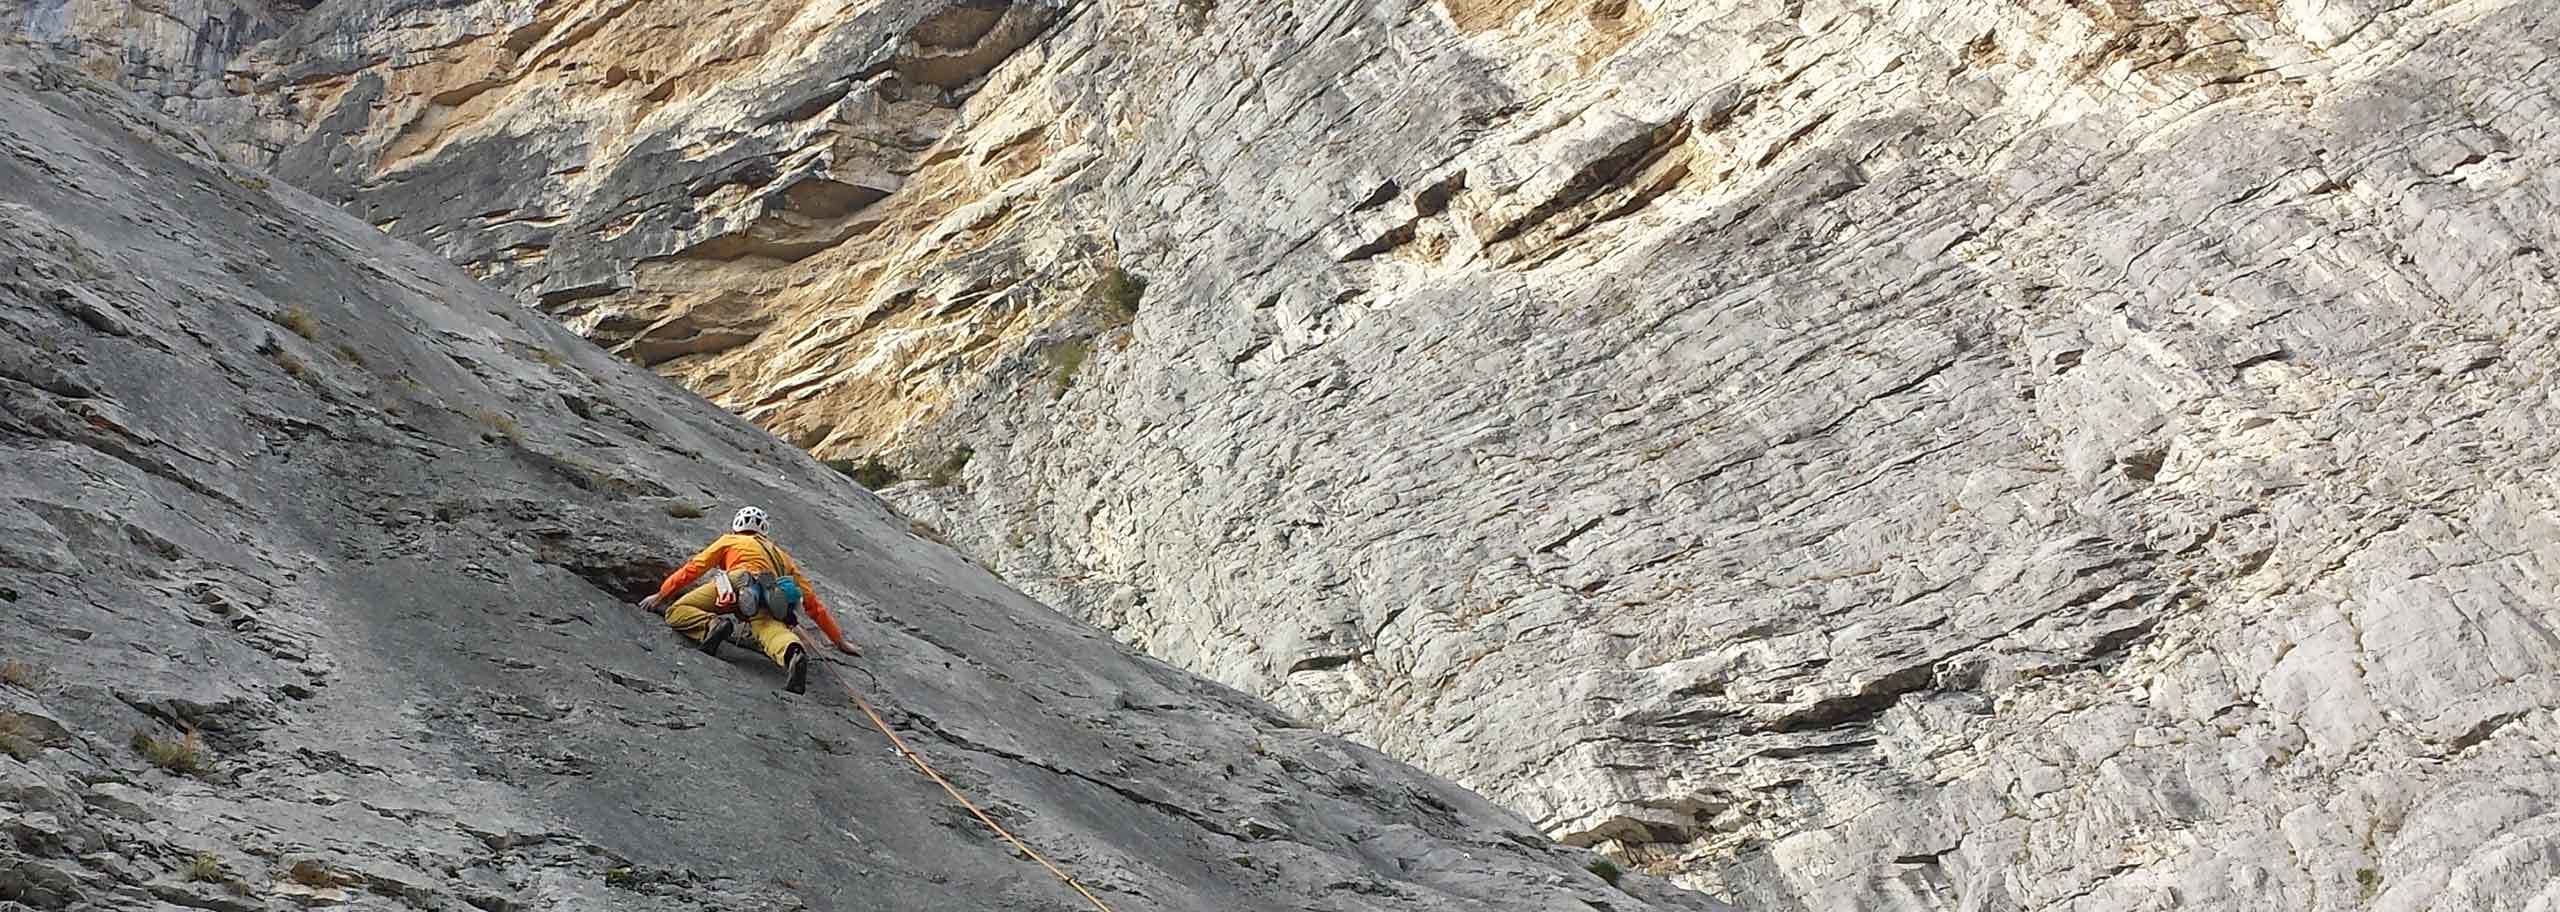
(316, 564)
(1940, 455)
(178, 56)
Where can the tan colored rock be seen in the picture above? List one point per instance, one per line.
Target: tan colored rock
(369, 535)
(1941, 455)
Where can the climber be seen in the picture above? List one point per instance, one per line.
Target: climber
(755, 582)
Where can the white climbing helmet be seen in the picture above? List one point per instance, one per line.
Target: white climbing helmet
(749, 520)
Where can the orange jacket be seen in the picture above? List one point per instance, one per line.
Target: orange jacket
(738, 552)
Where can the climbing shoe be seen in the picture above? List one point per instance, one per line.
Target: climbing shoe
(720, 631)
(796, 665)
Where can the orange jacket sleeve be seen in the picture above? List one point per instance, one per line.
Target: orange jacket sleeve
(817, 609)
(818, 612)
(693, 569)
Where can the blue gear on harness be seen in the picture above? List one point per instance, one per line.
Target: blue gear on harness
(773, 593)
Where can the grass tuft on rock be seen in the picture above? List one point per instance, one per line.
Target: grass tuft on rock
(21, 675)
(682, 510)
(299, 320)
(502, 425)
(285, 360)
(1606, 870)
(312, 872)
(205, 868)
(14, 740)
(183, 755)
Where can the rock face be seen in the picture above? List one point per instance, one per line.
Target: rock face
(1942, 455)
(654, 173)
(177, 56)
(369, 531)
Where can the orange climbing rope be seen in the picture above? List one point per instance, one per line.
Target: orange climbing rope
(936, 776)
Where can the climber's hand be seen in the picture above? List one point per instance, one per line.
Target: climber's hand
(650, 603)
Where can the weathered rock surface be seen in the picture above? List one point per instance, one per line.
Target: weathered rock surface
(1943, 455)
(177, 55)
(369, 530)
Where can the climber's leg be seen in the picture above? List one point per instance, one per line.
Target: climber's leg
(776, 637)
(782, 645)
(692, 615)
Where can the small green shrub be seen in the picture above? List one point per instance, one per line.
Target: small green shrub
(1199, 10)
(948, 472)
(868, 471)
(1068, 358)
(183, 755)
(1118, 291)
(251, 182)
(549, 358)
(349, 354)
(621, 877)
(206, 869)
(1606, 869)
(2370, 880)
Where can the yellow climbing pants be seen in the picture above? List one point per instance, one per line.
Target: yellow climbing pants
(694, 614)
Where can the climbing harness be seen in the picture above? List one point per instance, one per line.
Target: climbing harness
(930, 773)
(780, 595)
(751, 593)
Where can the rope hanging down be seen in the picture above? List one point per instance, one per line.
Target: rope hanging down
(936, 776)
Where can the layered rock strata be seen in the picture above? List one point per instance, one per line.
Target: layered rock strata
(2046, 456)
(318, 560)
